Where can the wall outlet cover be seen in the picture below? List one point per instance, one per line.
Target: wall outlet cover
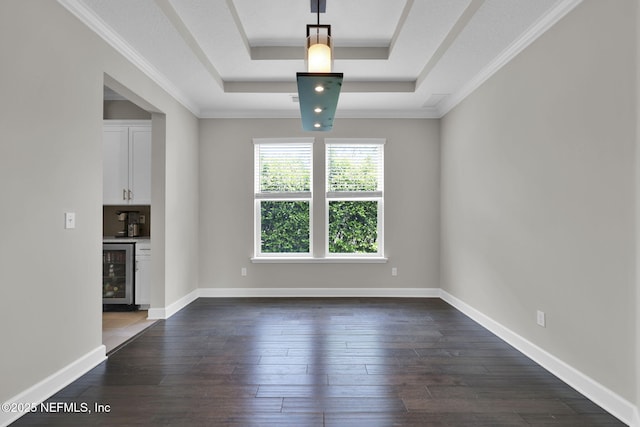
(541, 319)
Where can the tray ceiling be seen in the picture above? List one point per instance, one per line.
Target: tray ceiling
(239, 58)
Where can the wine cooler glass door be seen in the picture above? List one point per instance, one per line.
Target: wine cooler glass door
(117, 273)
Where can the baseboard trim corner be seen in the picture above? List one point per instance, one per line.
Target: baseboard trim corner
(601, 395)
(319, 292)
(636, 417)
(173, 308)
(55, 382)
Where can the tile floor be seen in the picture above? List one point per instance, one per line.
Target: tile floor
(119, 327)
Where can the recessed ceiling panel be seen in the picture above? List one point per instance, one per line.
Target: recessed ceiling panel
(490, 32)
(148, 31)
(283, 22)
(238, 58)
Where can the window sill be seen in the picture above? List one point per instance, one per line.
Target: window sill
(310, 260)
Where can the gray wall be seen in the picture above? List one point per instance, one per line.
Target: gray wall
(50, 162)
(411, 206)
(123, 110)
(537, 184)
(181, 208)
(538, 194)
(637, 117)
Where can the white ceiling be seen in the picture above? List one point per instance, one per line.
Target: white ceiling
(239, 58)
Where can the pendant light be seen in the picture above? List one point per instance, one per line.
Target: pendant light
(318, 88)
(319, 48)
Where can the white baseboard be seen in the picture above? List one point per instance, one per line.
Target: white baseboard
(605, 398)
(53, 383)
(319, 292)
(171, 309)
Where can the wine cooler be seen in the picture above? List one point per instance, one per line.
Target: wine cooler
(118, 273)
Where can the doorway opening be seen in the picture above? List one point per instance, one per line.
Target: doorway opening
(129, 179)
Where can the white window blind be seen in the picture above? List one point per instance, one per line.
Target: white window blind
(283, 168)
(354, 168)
(283, 197)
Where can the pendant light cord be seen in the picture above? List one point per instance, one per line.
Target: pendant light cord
(318, 27)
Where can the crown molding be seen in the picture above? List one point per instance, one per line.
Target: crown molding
(349, 86)
(423, 113)
(535, 31)
(270, 51)
(98, 26)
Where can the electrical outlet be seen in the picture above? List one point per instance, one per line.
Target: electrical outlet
(243, 271)
(143, 219)
(394, 271)
(541, 319)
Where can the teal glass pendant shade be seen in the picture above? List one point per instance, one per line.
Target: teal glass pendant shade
(318, 96)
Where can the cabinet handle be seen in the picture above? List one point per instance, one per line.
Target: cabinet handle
(124, 194)
(130, 195)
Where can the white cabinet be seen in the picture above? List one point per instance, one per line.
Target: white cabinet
(127, 163)
(143, 274)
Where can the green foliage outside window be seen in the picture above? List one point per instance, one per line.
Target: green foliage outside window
(353, 224)
(353, 227)
(285, 226)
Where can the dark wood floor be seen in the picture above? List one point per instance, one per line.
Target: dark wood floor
(321, 362)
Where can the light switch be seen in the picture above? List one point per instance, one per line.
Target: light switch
(69, 220)
(541, 319)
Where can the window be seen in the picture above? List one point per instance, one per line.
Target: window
(283, 197)
(351, 203)
(354, 197)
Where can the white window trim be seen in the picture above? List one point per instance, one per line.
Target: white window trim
(283, 197)
(377, 196)
(301, 140)
(258, 235)
(311, 260)
(380, 231)
(302, 195)
(327, 258)
(351, 141)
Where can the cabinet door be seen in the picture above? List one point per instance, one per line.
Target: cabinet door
(115, 151)
(140, 165)
(143, 280)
